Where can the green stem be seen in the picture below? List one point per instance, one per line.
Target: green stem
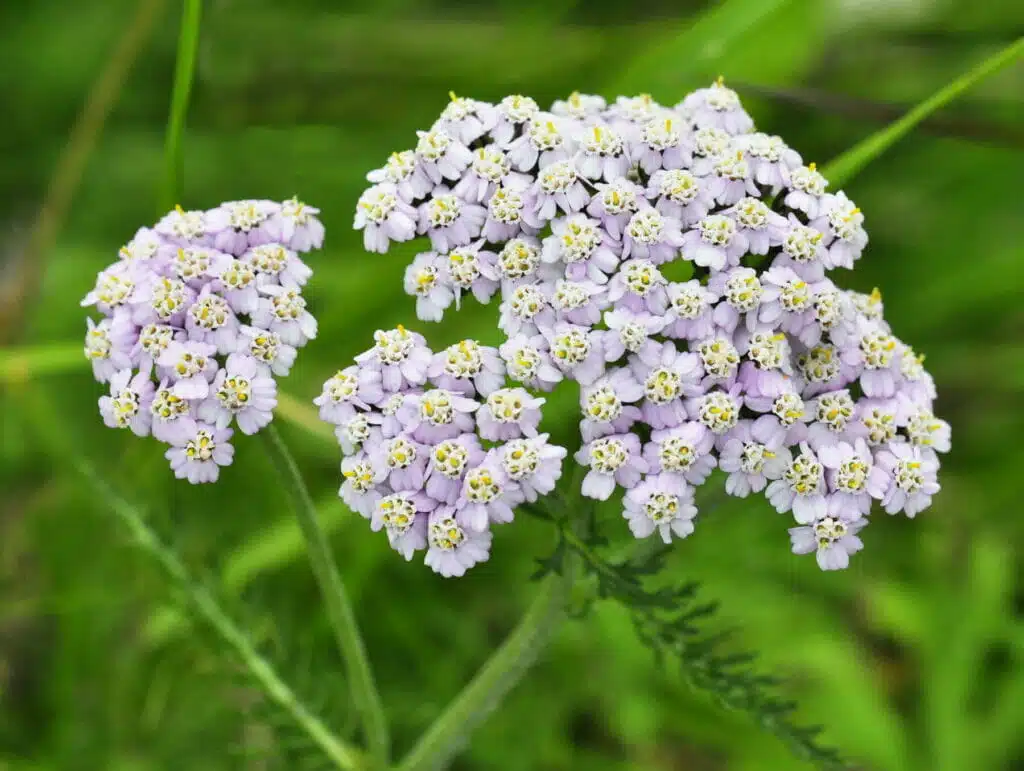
(499, 675)
(184, 72)
(342, 756)
(339, 610)
(857, 157)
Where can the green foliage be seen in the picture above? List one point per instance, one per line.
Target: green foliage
(911, 659)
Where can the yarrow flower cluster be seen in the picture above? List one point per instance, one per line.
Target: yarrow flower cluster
(674, 262)
(437, 448)
(200, 313)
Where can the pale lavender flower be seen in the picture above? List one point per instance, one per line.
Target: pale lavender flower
(449, 461)
(708, 144)
(488, 496)
(741, 292)
(195, 265)
(359, 486)
(267, 348)
(184, 227)
(403, 516)
(471, 269)
(532, 464)
(512, 112)
(384, 217)
(237, 225)
(173, 421)
(853, 477)
(425, 280)
(716, 107)
(578, 302)
(674, 375)
(682, 454)
(116, 288)
(607, 404)
(466, 119)
(602, 152)
(767, 370)
(718, 409)
(636, 110)
(297, 226)
(509, 413)
(347, 392)
(651, 235)
(144, 246)
(211, 320)
(488, 168)
(586, 249)
(237, 283)
(660, 504)
(801, 488)
(664, 142)
(505, 210)
(358, 431)
(528, 361)
(771, 160)
(878, 353)
(402, 172)
(614, 203)
(401, 356)
(163, 300)
(719, 359)
(789, 408)
(807, 186)
(613, 460)
(147, 343)
(579, 106)
(788, 302)
(832, 538)
(274, 264)
(200, 456)
(404, 459)
(441, 157)
(913, 472)
(690, 311)
(731, 180)
(631, 332)
(927, 431)
(680, 195)
(918, 386)
(762, 227)
(283, 311)
(127, 406)
(190, 366)
(107, 360)
(833, 419)
(639, 286)
(802, 251)
(714, 243)
(876, 421)
(243, 392)
(468, 368)
(843, 225)
(437, 414)
(518, 262)
(452, 549)
(558, 188)
(825, 368)
(576, 351)
(751, 456)
(544, 141)
(449, 221)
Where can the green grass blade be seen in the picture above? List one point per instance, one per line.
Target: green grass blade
(839, 171)
(184, 72)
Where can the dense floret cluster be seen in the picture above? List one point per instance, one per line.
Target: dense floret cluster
(200, 313)
(676, 263)
(437, 448)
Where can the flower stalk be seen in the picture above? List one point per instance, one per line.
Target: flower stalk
(336, 603)
(184, 73)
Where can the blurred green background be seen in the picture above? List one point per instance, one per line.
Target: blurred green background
(912, 658)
